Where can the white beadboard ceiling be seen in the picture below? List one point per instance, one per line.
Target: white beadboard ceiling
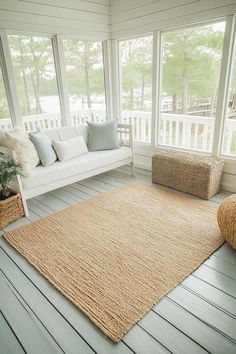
(135, 17)
(86, 18)
(103, 19)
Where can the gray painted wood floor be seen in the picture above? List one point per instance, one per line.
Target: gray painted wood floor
(196, 317)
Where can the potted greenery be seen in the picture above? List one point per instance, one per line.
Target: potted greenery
(11, 207)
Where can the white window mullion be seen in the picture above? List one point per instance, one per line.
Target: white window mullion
(62, 81)
(116, 87)
(9, 81)
(156, 93)
(223, 91)
(107, 65)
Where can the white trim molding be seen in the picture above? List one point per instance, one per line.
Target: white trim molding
(116, 79)
(223, 92)
(156, 85)
(9, 81)
(62, 82)
(107, 68)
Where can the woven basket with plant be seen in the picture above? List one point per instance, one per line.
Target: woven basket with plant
(11, 207)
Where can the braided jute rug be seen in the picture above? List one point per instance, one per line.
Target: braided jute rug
(116, 255)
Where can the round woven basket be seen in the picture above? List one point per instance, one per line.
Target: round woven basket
(11, 209)
(226, 216)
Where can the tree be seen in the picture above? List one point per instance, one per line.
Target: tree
(136, 64)
(85, 69)
(191, 64)
(4, 111)
(34, 70)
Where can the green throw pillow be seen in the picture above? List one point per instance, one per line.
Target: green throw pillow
(102, 136)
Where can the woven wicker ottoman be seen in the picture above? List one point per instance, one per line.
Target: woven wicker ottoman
(191, 173)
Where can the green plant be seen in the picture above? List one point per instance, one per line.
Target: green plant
(9, 168)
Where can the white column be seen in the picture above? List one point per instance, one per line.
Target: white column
(107, 64)
(223, 91)
(9, 81)
(62, 81)
(156, 88)
(115, 72)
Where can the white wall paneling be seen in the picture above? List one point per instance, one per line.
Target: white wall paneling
(69, 17)
(141, 16)
(9, 81)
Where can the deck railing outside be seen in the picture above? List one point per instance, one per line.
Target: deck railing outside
(186, 131)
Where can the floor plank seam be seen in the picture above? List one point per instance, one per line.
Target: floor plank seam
(53, 211)
(203, 321)
(208, 301)
(41, 292)
(88, 189)
(138, 324)
(224, 259)
(214, 286)
(178, 329)
(18, 340)
(77, 185)
(23, 303)
(218, 271)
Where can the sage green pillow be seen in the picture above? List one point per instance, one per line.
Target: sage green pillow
(102, 136)
(44, 148)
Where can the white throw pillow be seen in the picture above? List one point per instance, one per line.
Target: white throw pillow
(26, 153)
(68, 149)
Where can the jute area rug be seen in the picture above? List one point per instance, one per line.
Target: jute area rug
(116, 255)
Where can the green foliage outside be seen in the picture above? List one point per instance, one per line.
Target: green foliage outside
(191, 60)
(4, 111)
(34, 71)
(191, 66)
(84, 66)
(136, 71)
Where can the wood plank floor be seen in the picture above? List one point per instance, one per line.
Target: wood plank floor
(199, 316)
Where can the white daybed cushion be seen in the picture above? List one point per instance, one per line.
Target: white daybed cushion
(69, 149)
(84, 163)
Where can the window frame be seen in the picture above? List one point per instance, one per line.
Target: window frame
(9, 82)
(155, 90)
(107, 71)
(112, 79)
(57, 65)
(60, 69)
(215, 140)
(228, 72)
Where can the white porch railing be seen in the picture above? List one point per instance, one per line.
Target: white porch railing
(93, 115)
(185, 131)
(190, 132)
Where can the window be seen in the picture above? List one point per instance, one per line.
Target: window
(5, 120)
(35, 75)
(191, 60)
(136, 85)
(85, 73)
(229, 139)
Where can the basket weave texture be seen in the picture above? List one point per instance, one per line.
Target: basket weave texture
(226, 217)
(191, 173)
(11, 209)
